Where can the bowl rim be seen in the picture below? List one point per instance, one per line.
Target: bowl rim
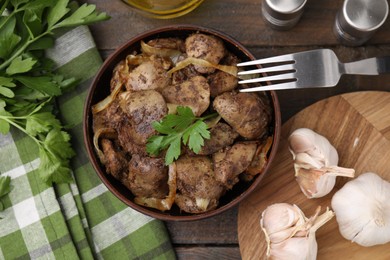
(87, 127)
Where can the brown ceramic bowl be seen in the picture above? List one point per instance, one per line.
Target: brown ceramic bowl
(100, 89)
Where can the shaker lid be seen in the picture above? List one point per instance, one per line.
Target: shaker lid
(365, 15)
(286, 6)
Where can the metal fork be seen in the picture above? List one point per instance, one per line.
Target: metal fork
(309, 69)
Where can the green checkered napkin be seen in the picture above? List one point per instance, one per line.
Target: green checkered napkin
(70, 221)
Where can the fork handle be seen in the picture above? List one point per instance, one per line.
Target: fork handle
(370, 66)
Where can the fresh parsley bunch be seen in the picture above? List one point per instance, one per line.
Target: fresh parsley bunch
(28, 82)
(175, 129)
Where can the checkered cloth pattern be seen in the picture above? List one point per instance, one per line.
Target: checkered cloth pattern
(81, 220)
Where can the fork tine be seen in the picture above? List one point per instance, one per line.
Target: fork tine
(285, 76)
(281, 86)
(268, 69)
(281, 58)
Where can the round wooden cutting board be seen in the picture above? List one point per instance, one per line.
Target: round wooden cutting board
(358, 126)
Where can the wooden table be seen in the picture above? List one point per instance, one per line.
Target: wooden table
(216, 238)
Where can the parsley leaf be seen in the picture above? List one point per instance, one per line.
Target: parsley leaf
(41, 123)
(174, 150)
(194, 136)
(4, 125)
(175, 130)
(6, 92)
(43, 84)
(5, 188)
(19, 65)
(8, 39)
(55, 154)
(57, 12)
(85, 14)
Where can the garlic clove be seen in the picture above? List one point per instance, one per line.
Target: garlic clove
(306, 161)
(297, 248)
(297, 240)
(305, 140)
(316, 183)
(279, 216)
(373, 233)
(302, 141)
(362, 210)
(279, 221)
(282, 235)
(315, 163)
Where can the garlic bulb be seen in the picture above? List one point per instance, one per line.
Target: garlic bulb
(362, 210)
(289, 234)
(315, 163)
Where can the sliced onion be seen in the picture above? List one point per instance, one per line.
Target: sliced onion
(213, 121)
(108, 100)
(260, 159)
(251, 76)
(101, 131)
(202, 203)
(163, 52)
(136, 60)
(232, 70)
(162, 204)
(172, 108)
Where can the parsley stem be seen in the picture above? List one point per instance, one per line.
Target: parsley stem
(208, 116)
(18, 126)
(21, 50)
(16, 54)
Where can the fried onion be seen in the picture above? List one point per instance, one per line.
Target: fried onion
(163, 52)
(232, 70)
(101, 131)
(259, 160)
(167, 202)
(108, 100)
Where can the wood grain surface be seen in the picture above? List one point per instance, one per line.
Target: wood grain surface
(240, 19)
(358, 125)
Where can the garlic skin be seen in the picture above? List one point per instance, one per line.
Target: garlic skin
(289, 234)
(362, 210)
(315, 163)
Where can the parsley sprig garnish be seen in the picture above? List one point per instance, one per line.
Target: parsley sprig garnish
(29, 83)
(175, 129)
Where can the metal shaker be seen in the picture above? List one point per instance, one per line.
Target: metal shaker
(282, 14)
(358, 20)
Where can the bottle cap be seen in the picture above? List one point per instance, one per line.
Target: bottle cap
(357, 21)
(282, 14)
